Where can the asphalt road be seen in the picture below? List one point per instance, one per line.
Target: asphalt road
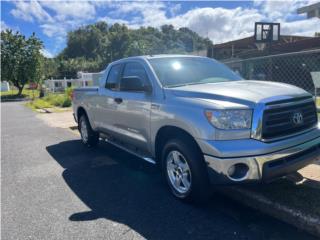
(55, 188)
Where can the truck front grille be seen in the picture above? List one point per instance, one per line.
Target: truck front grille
(286, 120)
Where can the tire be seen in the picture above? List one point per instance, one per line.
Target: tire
(89, 137)
(195, 171)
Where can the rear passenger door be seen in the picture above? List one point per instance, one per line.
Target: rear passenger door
(133, 109)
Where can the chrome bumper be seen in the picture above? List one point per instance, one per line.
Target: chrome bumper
(289, 160)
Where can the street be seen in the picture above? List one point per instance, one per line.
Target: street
(55, 188)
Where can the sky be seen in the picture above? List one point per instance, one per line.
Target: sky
(220, 21)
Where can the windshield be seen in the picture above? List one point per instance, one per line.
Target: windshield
(180, 71)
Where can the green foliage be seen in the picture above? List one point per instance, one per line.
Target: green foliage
(21, 60)
(89, 41)
(39, 104)
(68, 91)
(13, 94)
(61, 100)
(69, 67)
(50, 65)
(90, 48)
(58, 100)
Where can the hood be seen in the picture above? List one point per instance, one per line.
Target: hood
(244, 91)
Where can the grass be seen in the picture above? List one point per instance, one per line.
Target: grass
(51, 101)
(39, 104)
(13, 94)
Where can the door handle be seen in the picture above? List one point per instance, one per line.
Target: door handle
(118, 100)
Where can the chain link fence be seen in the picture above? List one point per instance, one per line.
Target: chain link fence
(301, 69)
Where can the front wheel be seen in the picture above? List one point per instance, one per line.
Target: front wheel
(185, 171)
(89, 137)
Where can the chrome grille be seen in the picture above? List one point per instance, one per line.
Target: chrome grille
(289, 119)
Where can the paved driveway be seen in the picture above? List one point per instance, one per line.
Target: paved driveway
(55, 188)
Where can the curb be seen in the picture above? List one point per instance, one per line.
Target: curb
(295, 217)
(15, 99)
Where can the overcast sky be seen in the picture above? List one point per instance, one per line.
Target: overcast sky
(219, 20)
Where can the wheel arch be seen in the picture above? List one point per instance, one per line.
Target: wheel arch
(80, 112)
(165, 133)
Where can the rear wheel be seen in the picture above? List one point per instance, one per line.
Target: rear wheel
(89, 137)
(185, 171)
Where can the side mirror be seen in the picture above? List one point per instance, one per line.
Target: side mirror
(135, 84)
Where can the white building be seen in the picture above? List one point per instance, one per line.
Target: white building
(5, 87)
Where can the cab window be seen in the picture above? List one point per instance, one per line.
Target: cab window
(136, 69)
(112, 82)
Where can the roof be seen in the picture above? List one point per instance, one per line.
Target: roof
(309, 8)
(249, 42)
(246, 47)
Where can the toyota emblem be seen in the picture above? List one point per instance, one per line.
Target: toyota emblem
(297, 118)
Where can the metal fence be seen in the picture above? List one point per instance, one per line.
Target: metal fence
(301, 69)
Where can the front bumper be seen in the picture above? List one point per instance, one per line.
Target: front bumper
(265, 167)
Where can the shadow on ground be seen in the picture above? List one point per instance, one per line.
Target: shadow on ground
(119, 187)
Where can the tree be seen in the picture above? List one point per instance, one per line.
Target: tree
(119, 41)
(21, 60)
(51, 67)
(89, 41)
(92, 47)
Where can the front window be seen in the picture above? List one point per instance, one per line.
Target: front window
(135, 69)
(180, 71)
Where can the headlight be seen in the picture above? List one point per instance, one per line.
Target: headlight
(230, 119)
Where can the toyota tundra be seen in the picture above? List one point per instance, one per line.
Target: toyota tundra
(199, 121)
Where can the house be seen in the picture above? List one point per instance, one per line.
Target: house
(247, 48)
(312, 10)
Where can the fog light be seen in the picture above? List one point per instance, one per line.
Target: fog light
(238, 171)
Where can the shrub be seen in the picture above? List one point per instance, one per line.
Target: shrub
(39, 103)
(66, 102)
(58, 100)
(68, 92)
(52, 100)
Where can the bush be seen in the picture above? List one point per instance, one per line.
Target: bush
(39, 104)
(66, 102)
(58, 100)
(51, 100)
(68, 92)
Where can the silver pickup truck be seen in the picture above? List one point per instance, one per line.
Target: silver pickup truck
(199, 121)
